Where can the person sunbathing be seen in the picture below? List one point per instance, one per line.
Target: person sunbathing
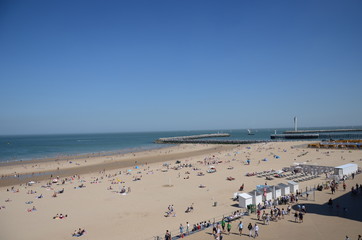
(123, 190)
(189, 209)
(78, 233)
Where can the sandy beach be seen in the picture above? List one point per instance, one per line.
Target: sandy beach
(153, 181)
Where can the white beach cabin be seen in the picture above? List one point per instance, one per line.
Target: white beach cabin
(285, 189)
(245, 200)
(293, 186)
(277, 192)
(257, 197)
(345, 170)
(269, 194)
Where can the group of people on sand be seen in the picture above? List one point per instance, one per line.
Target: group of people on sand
(60, 216)
(32, 209)
(190, 208)
(219, 229)
(124, 191)
(170, 211)
(78, 233)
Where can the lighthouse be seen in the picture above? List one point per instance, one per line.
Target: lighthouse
(295, 124)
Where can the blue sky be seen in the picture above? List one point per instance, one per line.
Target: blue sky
(116, 66)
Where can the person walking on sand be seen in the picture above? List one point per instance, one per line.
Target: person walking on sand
(181, 231)
(250, 227)
(228, 227)
(300, 217)
(256, 230)
(223, 225)
(240, 228)
(187, 228)
(167, 235)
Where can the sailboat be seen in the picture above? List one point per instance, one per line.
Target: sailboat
(249, 132)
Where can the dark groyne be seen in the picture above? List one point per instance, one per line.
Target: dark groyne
(322, 131)
(180, 138)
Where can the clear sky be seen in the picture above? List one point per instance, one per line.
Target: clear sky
(114, 66)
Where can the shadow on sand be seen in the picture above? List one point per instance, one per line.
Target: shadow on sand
(347, 206)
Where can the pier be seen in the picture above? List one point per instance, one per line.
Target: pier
(317, 136)
(210, 135)
(322, 131)
(294, 136)
(210, 141)
(197, 139)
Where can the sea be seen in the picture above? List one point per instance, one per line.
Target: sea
(30, 147)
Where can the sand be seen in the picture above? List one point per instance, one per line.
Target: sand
(106, 214)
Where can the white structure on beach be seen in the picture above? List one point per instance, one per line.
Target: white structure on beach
(268, 194)
(345, 170)
(293, 186)
(277, 192)
(245, 200)
(257, 197)
(285, 189)
(295, 124)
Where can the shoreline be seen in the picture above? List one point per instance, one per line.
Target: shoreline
(84, 155)
(95, 163)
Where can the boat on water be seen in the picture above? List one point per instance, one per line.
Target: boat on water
(250, 133)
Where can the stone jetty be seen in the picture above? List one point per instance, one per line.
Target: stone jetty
(197, 139)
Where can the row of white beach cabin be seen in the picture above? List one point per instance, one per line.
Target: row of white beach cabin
(272, 192)
(346, 170)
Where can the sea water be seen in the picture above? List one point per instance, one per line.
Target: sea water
(28, 147)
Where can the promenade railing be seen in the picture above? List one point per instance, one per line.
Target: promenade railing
(175, 233)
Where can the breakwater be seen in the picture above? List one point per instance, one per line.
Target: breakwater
(317, 136)
(211, 135)
(323, 131)
(210, 141)
(198, 139)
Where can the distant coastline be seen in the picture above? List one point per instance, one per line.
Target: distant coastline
(19, 148)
